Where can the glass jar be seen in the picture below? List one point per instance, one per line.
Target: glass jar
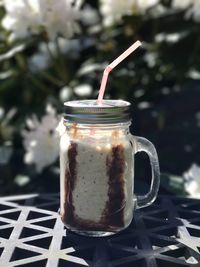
(97, 168)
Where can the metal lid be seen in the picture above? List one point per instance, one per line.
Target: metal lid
(88, 111)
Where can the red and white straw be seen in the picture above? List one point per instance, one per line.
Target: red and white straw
(111, 66)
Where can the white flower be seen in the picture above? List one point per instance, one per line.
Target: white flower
(182, 4)
(151, 59)
(90, 67)
(192, 6)
(143, 5)
(192, 181)
(144, 105)
(25, 17)
(22, 17)
(71, 47)
(83, 90)
(66, 46)
(41, 141)
(138, 93)
(114, 10)
(194, 11)
(90, 16)
(194, 74)
(59, 17)
(65, 93)
(170, 38)
(40, 60)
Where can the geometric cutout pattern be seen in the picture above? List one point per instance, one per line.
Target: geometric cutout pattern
(6, 232)
(30, 232)
(46, 223)
(20, 253)
(165, 234)
(1, 250)
(42, 243)
(11, 215)
(5, 207)
(35, 215)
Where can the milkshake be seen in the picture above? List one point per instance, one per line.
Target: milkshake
(97, 182)
(97, 168)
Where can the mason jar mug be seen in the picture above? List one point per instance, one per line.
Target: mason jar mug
(97, 168)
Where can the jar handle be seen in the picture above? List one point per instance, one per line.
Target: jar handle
(141, 144)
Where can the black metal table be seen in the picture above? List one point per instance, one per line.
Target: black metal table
(164, 234)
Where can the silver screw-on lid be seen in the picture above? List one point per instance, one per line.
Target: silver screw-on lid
(89, 112)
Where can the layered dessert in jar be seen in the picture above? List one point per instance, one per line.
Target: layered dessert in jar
(96, 179)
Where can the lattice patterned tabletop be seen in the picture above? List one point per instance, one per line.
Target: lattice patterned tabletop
(165, 234)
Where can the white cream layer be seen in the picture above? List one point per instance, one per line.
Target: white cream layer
(91, 191)
(90, 194)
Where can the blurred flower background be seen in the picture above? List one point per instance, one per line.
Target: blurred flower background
(54, 51)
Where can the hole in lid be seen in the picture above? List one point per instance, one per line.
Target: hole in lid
(20, 202)
(40, 200)
(166, 263)
(20, 254)
(5, 233)
(5, 207)
(153, 223)
(193, 232)
(3, 223)
(182, 254)
(68, 242)
(47, 223)
(188, 215)
(11, 215)
(116, 253)
(65, 263)
(161, 243)
(160, 214)
(35, 215)
(27, 232)
(40, 263)
(129, 229)
(192, 260)
(193, 207)
(129, 241)
(42, 242)
(195, 222)
(179, 253)
(1, 250)
(136, 262)
(169, 232)
(86, 254)
(158, 201)
(149, 209)
(51, 207)
(182, 201)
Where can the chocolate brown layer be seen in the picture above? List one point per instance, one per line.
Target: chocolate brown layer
(113, 216)
(114, 213)
(70, 181)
